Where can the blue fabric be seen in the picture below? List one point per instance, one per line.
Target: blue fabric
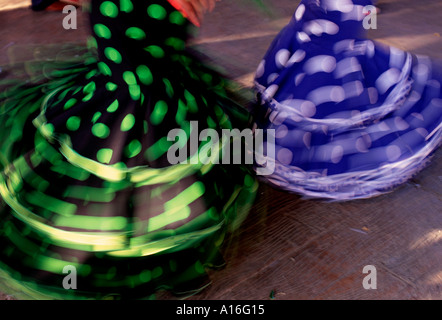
(352, 118)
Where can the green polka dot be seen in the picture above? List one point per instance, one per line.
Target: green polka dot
(135, 92)
(104, 155)
(128, 122)
(211, 123)
(173, 265)
(113, 55)
(145, 75)
(90, 87)
(145, 276)
(213, 214)
(158, 112)
(73, 123)
(156, 11)
(109, 9)
(135, 33)
(92, 43)
(176, 43)
(120, 165)
(157, 272)
(157, 149)
(177, 18)
(169, 88)
(126, 6)
(84, 270)
(88, 97)
(113, 107)
(191, 102)
(90, 74)
(104, 69)
(155, 51)
(100, 130)
(96, 116)
(133, 148)
(218, 111)
(248, 181)
(110, 86)
(48, 129)
(207, 78)
(145, 126)
(111, 273)
(199, 267)
(181, 112)
(102, 31)
(71, 102)
(129, 78)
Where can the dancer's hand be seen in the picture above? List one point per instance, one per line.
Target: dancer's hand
(194, 9)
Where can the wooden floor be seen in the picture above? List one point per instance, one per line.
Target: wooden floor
(290, 248)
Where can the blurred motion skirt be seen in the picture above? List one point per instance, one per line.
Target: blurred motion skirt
(351, 118)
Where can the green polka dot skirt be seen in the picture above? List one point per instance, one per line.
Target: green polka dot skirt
(86, 184)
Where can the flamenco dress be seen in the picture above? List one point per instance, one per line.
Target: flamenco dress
(350, 118)
(85, 182)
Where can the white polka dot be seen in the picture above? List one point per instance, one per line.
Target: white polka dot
(400, 124)
(300, 12)
(337, 94)
(270, 91)
(338, 5)
(414, 96)
(422, 131)
(299, 78)
(302, 37)
(279, 183)
(295, 117)
(285, 156)
(280, 118)
(298, 56)
(393, 153)
(321, 63)
(272, 77)
(328, 64)
(313, 27)
(337, 154)
(363, 143)
(308, 109)
(343, 45)
(421, 70)
(436, 102)
(281, 57)
(387, 79)
(397, 58)
(418, 116)
(356, 114)
(370, 49)
(373, 95)
(319, 26)
(433, 83)
(307, 139)
(261, 69)
(383, 126)
(281, 131)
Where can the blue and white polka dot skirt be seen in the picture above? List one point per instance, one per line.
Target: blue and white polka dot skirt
(351, 118)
